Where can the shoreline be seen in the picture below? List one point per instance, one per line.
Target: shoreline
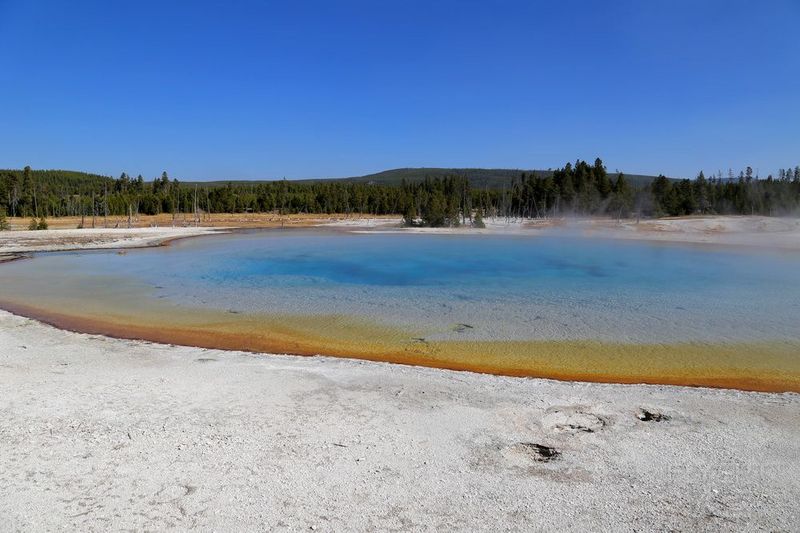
(567, 361)
(134, 341)
(741, 231)
(154, 436)
(65, 240)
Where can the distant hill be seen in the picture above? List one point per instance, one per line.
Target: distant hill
(69, 179)
(481, 178)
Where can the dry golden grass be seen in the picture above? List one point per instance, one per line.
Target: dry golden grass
(239, 220)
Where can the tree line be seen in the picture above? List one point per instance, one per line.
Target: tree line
(588, 190)
(579, 189)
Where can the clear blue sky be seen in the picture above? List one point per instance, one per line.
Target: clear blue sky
(312, 89)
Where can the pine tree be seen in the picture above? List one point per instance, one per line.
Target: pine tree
(662, 196)
(409, 214)
(602, 183)
(621, 198)
(433, 213)
(701, 188)
(3, 220)
(477, 222)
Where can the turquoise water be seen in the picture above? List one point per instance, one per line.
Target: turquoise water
(470, 287)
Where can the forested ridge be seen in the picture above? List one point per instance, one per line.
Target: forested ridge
(579, 189)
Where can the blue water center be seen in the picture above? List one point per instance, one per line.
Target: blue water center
(486, 287)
